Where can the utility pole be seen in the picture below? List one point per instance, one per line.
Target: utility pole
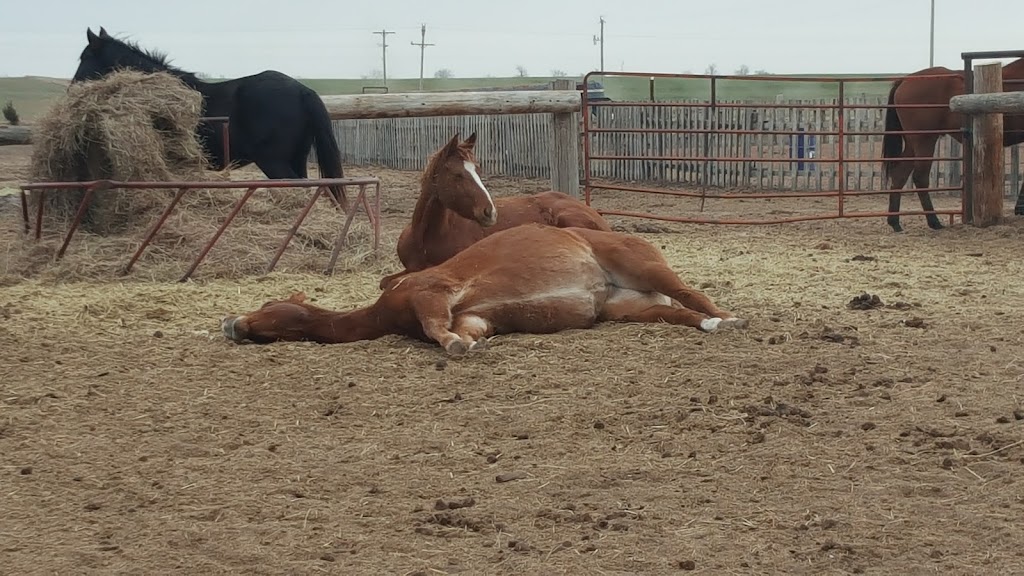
(931, 39)
(601, 40)
(423, 45)
(384, 52)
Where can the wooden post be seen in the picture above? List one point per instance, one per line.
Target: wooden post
(989, 162)
(565, 152)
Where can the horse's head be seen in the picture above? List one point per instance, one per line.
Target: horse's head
(276, 320)
(456, 182)
(103, 54)
(94, 61)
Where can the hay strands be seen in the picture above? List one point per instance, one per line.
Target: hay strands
(91, 187)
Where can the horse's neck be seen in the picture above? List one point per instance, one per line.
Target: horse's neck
(367, 323)
(430, 216)
(188, 78)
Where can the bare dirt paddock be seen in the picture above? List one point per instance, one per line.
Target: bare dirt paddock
(136, 439)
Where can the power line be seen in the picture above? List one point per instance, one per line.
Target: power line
(423, 45)
(384, 52)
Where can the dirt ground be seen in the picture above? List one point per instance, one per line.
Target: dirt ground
(824, 439)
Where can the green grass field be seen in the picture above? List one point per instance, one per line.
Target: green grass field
(33, 95)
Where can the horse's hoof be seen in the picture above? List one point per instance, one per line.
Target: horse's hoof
(481, 344)
(456, 348)
(936, 225)
(710, 324)
(737, 323)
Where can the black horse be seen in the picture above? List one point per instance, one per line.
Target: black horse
(274, 119)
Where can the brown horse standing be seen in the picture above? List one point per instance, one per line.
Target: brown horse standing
(915, 90)
(455, 210)
(532, 278)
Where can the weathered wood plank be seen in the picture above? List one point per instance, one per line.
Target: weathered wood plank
(15, 135)
(988, 103)
(452, 104)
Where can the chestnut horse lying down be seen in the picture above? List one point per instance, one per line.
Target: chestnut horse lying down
(532, 278)
(455, 210)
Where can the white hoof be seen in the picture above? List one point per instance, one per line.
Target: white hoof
(737, 323)
(710, 324)
(480, 344)
(714, 324)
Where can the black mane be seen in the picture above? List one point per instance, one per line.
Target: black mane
(154, 56)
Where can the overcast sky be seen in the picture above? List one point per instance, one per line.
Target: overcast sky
(334, 39)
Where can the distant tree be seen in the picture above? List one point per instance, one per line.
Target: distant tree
(743, 70)
(558, 73)
(761, 72)
(521, 71)
(711, 70)
(11, 114)
(375, 74)
(444, 73)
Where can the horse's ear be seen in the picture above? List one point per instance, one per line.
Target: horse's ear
(91, 37)
(298, 297)
(103, 32)
(452, 144)
(469, 142)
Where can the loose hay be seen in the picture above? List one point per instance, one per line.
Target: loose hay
(244, 249)
(142, 127)
(125, 126)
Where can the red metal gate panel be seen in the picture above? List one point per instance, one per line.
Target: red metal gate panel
(658, 121)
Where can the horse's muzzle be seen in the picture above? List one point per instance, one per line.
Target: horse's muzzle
(233, 329)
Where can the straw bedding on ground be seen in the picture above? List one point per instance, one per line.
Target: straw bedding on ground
(882, 438)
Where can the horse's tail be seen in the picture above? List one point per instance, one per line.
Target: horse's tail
(328, 154)
(892, 144)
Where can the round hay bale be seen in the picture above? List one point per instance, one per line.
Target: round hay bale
(127, 125)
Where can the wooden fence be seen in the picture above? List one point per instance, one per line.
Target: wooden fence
(519, 145)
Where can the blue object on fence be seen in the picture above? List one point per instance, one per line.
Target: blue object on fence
(806, 147)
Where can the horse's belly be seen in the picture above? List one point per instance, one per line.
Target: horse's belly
(546, 313)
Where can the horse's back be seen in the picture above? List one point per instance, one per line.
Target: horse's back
(552, 208)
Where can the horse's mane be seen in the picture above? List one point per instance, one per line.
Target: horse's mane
(155, 56)
(435, 161)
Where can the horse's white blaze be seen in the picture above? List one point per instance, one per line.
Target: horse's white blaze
(471, 168)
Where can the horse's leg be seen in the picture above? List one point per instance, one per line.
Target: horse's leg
(473, 330)
(1018, 208)
(898, 174)
(435, 316)
(299, 165)
(635, 264)
(922, 176)
(387, 281)
(638, 309)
